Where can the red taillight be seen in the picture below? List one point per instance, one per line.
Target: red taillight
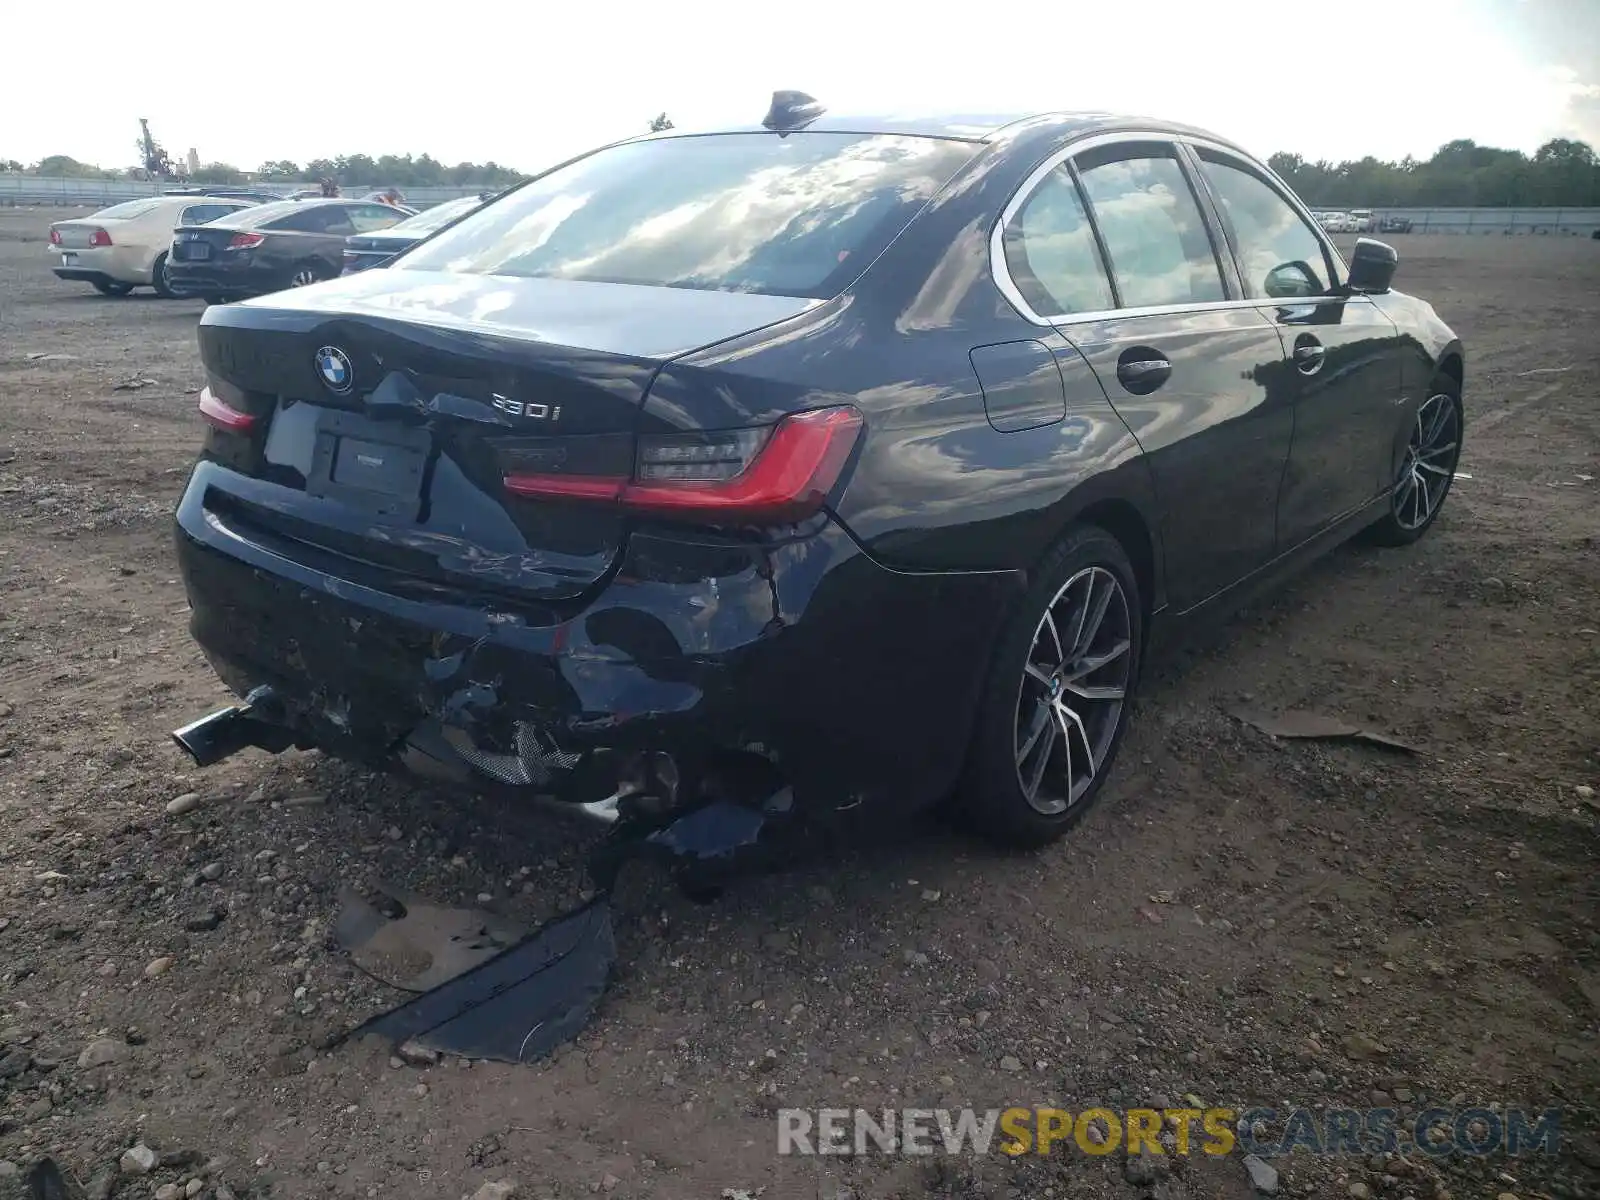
(737, 476)
(246, 241)
(55, 237)
(224, 416)
(99, 238)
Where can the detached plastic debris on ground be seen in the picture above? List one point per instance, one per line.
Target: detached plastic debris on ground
(1301, 724)
(489, 989)
(518, 1003)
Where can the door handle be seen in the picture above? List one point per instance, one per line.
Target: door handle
(1142, 371)
(1309, 357)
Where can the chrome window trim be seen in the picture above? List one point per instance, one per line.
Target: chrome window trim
(1008, 288)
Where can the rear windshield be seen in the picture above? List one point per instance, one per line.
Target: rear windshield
(128, 209)
(795, 215)
(438, 216)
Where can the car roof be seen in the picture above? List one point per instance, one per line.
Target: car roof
(166, 200)
(977, 127)
(260, 213)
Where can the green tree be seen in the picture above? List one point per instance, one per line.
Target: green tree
(65, 166)
(1562, 172)
(279, 169)
(218, 173)
(661, 123)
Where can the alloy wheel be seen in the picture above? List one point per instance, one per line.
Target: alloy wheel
(1074, 685)
(303, 277)
(1429, 464)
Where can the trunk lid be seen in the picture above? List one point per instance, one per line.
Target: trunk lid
(393, 404)
(200, 243)
(75, 234)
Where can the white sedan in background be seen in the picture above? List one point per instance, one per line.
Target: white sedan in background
(125, 246)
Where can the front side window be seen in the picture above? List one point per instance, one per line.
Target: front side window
(1279, 255)
(1150, 221)
(1050, 251)
(367, 217)
(800, 214)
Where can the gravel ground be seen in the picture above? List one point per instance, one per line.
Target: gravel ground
(1244, 920)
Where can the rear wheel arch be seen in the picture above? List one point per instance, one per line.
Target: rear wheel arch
(158, 280)
(991, 793)
(1452, 366)
(1123, 521)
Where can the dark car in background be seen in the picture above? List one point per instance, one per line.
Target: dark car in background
(253, 195)
(1394, 223)
(264, 249)
(366, 250)
(801, 471)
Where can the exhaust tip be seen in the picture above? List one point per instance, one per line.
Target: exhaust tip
(227, 731)
(207, 739)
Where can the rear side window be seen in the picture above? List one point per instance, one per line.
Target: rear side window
(321, 218)
(439, 215)
(795, 215)
(127, 210)
(1051, 254)
(1154, 234)
(1278, 254)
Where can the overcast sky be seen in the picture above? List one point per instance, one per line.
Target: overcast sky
(526, 84)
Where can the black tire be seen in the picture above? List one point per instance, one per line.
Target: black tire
(158, 278)
(111, 287)
(1411, 514)
(212, 298)
(994, 797)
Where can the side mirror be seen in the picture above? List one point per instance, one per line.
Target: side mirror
(1372, 265)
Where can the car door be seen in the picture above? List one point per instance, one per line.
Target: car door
(1185, 364)
(335, 225)
(1344, 355)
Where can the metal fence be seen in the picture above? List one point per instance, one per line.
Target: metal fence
(1579, 222)
(16, 190)
(40, 190)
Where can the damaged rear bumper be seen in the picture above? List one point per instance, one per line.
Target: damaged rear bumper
(855, 682)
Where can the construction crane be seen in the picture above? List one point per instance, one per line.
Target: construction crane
(157, 162)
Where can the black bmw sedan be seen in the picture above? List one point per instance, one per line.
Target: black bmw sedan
(831, 466)
(288, 244)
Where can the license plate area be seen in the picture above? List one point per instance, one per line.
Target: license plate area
(68, 260)
(196, 251)
(373, 467)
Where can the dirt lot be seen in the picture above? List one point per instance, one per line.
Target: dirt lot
(1242, 920)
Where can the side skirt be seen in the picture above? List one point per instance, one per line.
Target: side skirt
(1168, 629)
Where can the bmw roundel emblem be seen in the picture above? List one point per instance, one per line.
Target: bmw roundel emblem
(333, 365)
